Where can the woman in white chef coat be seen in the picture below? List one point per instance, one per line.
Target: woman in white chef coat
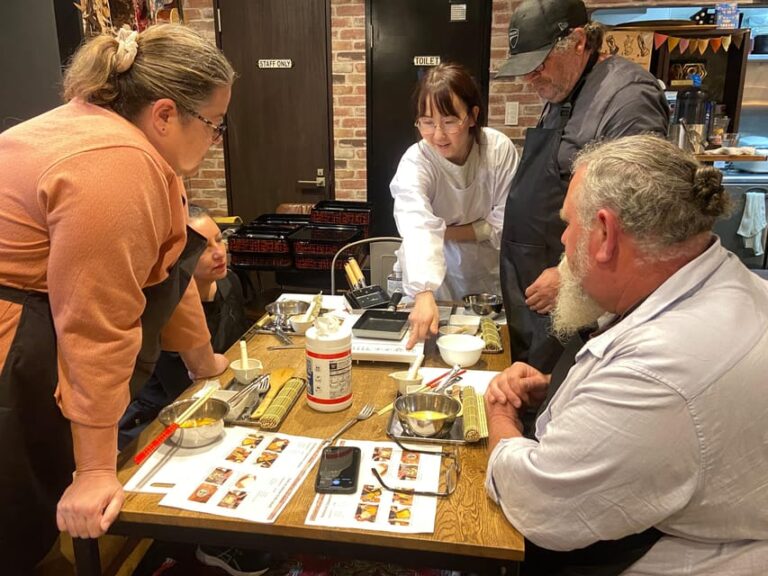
(449, 190)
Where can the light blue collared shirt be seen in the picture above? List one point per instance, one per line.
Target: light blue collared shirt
(662, 421)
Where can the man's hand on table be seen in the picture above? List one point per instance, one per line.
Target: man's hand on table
(424, 318)
(90, 504)
(520, 385)
(541, 295)
(503, 421)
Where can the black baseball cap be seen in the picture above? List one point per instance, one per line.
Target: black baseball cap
(534, 28)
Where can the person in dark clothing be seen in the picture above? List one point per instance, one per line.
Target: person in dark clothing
(224, 308)
(588, 97)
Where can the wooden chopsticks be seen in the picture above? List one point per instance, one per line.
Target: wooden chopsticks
(172, 427)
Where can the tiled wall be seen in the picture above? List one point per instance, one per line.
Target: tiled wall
(348, 70)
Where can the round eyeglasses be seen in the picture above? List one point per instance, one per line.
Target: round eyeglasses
(218, 129)
(450, 125)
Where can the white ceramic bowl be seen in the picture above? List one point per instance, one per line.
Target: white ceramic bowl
(404, 384)
(461, 349)
(254, 369)
(299, 325)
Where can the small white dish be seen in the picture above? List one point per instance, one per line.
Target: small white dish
(300, 324)
(461, 349)
(253, 369)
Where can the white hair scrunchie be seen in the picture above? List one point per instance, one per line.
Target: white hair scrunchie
(127, 46)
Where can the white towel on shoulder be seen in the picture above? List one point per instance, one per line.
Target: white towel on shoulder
(753, 222)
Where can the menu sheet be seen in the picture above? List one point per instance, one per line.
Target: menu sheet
(249, 474)
(373, 507)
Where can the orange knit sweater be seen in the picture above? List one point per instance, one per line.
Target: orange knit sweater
(91, 214)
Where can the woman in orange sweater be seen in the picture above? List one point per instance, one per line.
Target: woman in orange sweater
(95, 262)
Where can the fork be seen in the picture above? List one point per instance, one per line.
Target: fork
(254, 398)
(365, 413)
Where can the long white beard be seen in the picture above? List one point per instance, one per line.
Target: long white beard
(574, 308)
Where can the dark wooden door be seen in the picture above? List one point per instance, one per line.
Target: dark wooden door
(401, 34)
(279, 119)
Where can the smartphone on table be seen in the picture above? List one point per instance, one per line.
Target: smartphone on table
(339, 470)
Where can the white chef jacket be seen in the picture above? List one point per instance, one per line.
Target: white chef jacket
(432, 193)
(662, 421)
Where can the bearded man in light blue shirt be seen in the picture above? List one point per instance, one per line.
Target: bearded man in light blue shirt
(651, 457)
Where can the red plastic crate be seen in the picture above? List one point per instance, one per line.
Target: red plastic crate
(322, 239)
(345, 213)
(265, 261)
(266, 239)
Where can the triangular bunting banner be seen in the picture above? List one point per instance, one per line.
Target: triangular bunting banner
(684, 45)
(672, 43)
(737, 40)
(726, 42)
(658, 40)
(703, 46)
(716, 43)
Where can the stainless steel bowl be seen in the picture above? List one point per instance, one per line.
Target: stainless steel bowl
(483, 303)
(198, 435)
(427, 415)
(282, 310)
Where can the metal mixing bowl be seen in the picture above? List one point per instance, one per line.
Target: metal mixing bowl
(483, 303)
(198, 435)
(416, 413)
(282, 310)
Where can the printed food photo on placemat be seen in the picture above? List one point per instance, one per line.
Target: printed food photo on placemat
(219, 476)
(203, 493)
(278, 444)
(232, 499)
(366, 512)
(399, 516)
(371, 494)
(266, 459)
(381, 454)
(252, 440)
(239, 454)
(245, 480)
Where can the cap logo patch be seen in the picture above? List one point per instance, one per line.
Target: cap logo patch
(514, 36)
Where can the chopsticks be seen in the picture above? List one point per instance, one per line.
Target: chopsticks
(172, 427)
(431, 384)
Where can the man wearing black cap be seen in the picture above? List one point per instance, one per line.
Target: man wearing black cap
(588, 96)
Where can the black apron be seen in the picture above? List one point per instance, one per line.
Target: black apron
(36, 459)
(530, 239)
(603, 558)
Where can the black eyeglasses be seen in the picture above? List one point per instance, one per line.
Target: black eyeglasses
(450, 478)
(218, 129)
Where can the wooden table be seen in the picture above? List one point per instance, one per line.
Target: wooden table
(471, 532)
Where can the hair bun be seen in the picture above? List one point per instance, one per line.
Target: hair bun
(708, 192)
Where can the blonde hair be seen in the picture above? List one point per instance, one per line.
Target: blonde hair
(172, 61)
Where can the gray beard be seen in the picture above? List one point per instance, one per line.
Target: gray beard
(574, 308)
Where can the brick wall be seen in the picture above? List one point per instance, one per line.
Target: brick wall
(208, 187)
(348, 71)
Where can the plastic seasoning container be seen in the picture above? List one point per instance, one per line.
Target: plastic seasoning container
(329, 370)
